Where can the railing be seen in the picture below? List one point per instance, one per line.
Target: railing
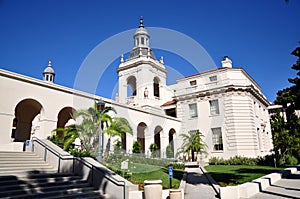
(82, 161)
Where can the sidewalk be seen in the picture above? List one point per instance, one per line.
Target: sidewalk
(197, 185)
(288, 187)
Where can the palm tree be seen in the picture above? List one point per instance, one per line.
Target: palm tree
(118, 126)
(193, 143)
(67, 137)
(90, 121)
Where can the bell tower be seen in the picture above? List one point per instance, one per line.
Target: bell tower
(142, 78)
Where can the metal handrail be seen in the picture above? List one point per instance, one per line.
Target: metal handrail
(81, 160)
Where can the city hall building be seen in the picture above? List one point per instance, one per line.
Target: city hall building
(224, 103)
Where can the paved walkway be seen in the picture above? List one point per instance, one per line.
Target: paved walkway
(197, 185)
(288, 187)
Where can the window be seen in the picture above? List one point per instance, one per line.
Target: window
(213, 78)
(193, 83)
(214, 107)
(217, 139)
(142, 41)
(193, 110)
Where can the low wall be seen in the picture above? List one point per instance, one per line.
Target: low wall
(249, 189)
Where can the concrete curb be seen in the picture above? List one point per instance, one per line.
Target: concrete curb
(249, 189)
(212, 181)
(183, 181)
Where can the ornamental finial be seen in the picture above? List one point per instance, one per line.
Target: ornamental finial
(141, 22)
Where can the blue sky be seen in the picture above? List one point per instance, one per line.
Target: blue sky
(257, 35)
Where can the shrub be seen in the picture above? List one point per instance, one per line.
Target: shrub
(236, 160)
(268, 160)
(288, 160)
(216, 161)
(82, 153)
(154, 150)
(137, 147)
(178, 166)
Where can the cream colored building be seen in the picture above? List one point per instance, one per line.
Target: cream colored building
(225, 104)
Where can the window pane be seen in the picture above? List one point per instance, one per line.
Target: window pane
(193, 110)
(217, 139)
(213, 78)
(193, 83)
(214, 107)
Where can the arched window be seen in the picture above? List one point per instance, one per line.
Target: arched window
(131, 86)
(157, 133)
(141, 128)
(170, 152)
(156, 86)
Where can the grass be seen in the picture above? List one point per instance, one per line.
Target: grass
(140, 172)
(141, 169)
(238, 174)
(160, 173)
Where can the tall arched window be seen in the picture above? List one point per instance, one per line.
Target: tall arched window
(131, 86)
(141, 128)
(156, 86)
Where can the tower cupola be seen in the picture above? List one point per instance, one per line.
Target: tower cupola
(141, 43)
(49, 74)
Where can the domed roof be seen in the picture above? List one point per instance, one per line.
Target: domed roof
(141, 30)
(49, 68)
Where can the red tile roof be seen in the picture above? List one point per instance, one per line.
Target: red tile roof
(169, 103)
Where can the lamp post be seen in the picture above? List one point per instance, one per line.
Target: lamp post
(100, 108)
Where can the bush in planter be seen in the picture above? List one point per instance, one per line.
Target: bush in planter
(137, 147)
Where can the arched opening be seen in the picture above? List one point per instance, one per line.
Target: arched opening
(124, 140)
(157, 132)
(156, 86)
(131, 86)
(25, 112)
(170, 150)
(64, 116)
(141, 134)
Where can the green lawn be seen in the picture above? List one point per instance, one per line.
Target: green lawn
(159, 173)
(238, 174)
(140, 172)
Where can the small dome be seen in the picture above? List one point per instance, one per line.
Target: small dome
(141, 31)
(49, 70)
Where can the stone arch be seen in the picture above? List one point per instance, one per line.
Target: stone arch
(141, 131)
(172, 132)
(131, 86)
(156, 91)
(25, 111)
(64, 115)
(157, 133)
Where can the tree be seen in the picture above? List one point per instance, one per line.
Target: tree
(193, 143)
(116, 127)
(89, 125)
(286, 132)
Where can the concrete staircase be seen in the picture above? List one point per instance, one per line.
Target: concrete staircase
(25, 175)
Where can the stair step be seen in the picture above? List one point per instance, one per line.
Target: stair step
(27, 171)
(26, 175)
(17, 154)
(18, 161)
(62, 192)
(22, 164)
(86, 195)
(25, 185)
